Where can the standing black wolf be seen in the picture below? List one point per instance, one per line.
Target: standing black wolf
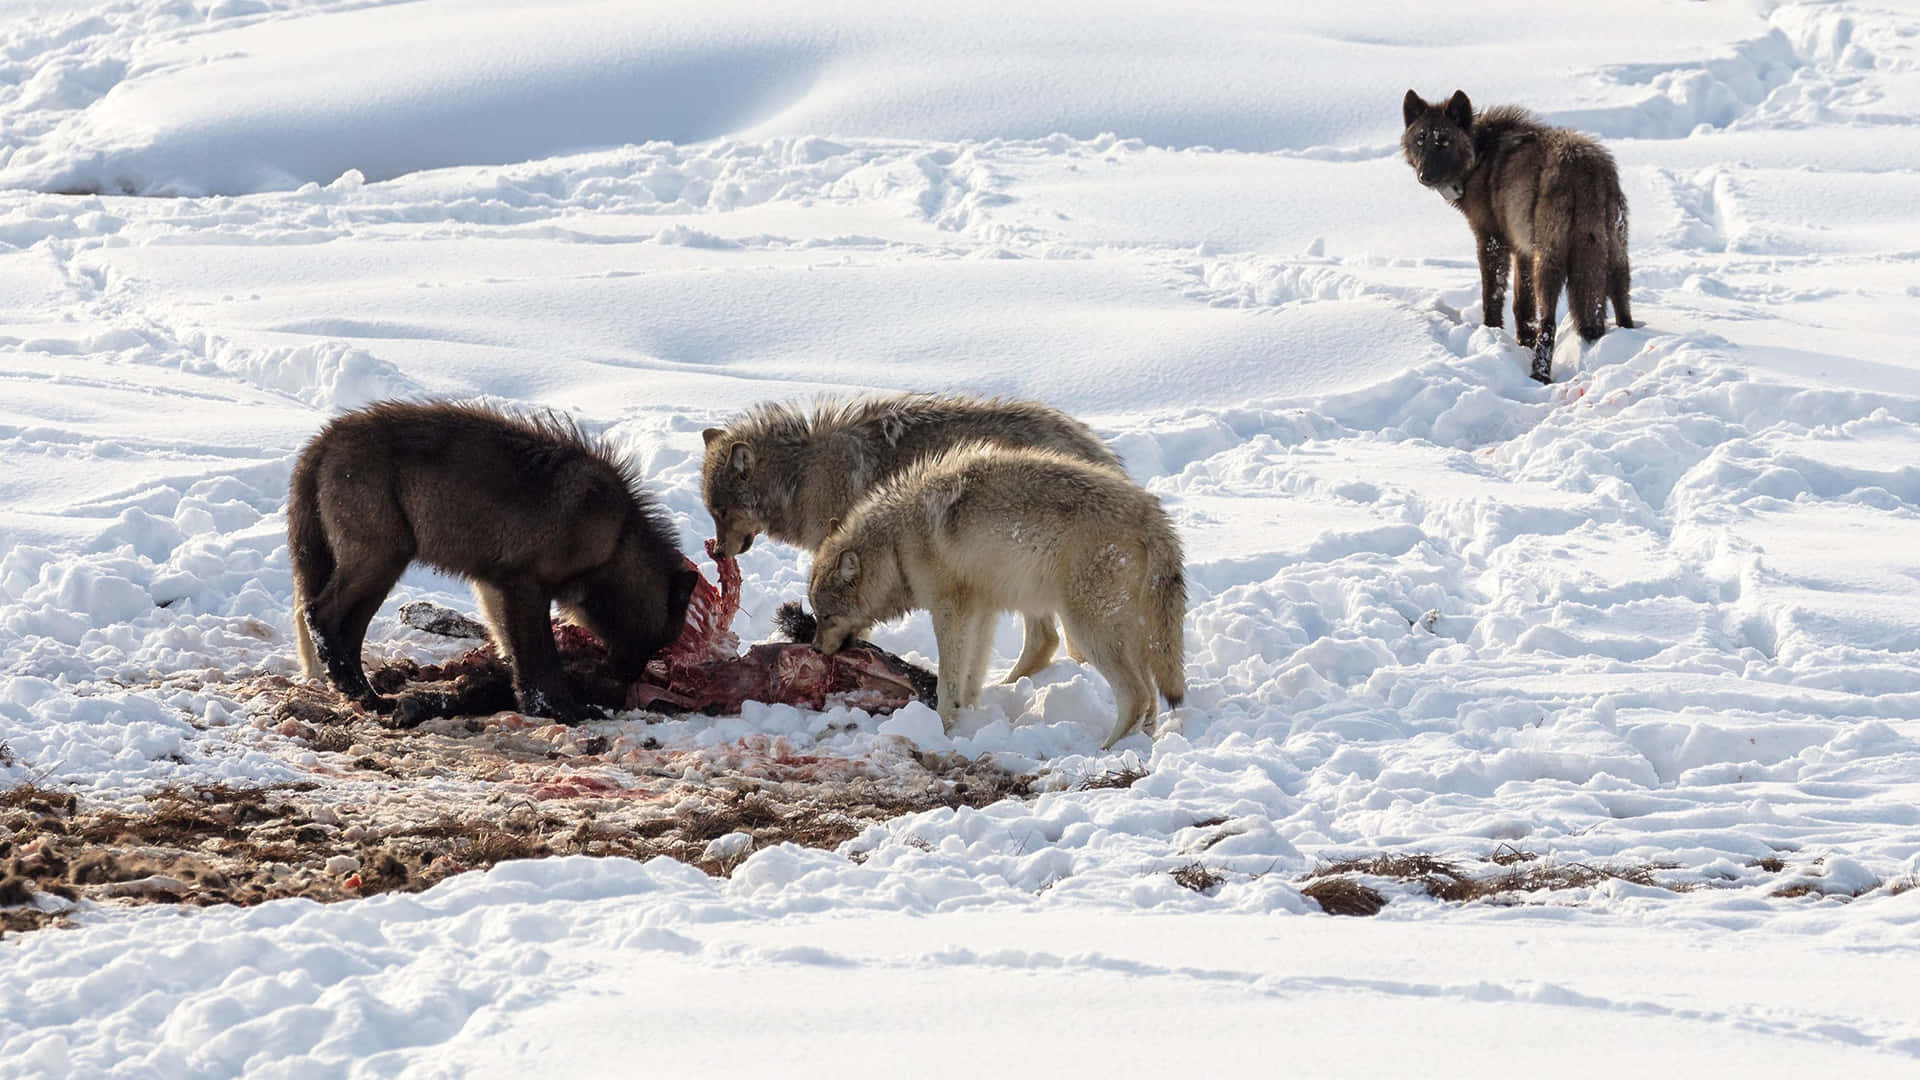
(1549, 197)
(527, 508)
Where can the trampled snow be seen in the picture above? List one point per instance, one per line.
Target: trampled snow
(1658, 613)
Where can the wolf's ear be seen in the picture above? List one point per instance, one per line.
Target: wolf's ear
(1460, 110)
(740, 459)
(1411, 107)
(849, 565)
(712, 433)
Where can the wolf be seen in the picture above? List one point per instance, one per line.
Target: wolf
(981, 529)
(790, 472)
(528, 508)
(1547, 197)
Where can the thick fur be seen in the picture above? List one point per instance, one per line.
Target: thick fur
(528, 508)
(792, 472)
(982, 529)
(1548, 198)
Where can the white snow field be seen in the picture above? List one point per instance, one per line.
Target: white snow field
(1659, 613)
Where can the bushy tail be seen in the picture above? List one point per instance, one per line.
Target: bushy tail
(309, 552)
(1167, 592)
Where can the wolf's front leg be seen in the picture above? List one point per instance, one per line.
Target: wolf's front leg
(1493, 280)
(524, 611)
(950, 625)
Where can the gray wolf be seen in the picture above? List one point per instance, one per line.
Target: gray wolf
(527, 508)
(1548, 198)
(982, 529)
(790, 472)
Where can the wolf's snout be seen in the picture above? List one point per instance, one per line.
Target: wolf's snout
(827, 642)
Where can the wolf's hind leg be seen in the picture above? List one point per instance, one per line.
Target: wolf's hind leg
(1587, 289)
(1074, 652)
(1125, 669)
(1038, 649)
(336, 621)
(1523, 327)
(979, 654)
(1618, 282)
(1549, 274)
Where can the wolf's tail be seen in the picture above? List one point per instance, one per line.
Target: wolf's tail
(309, 552)
(1167, 595)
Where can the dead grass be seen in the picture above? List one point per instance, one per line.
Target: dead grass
(1507, 855)
(1441, 880)
(1523, 872)
(1811, 887)
(1197, 876)
(1554, 876)
(1112, 778)
(1772, 864)
(31, 796)
(224, 844)
(1339, 895)
(502, 789)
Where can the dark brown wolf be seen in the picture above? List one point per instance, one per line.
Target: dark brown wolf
(1548, 197)
(527, 508)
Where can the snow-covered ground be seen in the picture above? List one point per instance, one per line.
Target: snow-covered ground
(1659, 612)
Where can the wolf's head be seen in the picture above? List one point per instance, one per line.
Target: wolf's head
(1438, 142)
(732, 492)
(850, 591)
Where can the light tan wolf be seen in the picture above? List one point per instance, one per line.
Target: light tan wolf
(983, 529)
(790, 472)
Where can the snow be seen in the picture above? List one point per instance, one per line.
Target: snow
(1657, 613)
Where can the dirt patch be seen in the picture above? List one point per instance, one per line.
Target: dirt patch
(399, 810)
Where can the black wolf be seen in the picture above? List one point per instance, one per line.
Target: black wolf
(1549, 197)
(528, 508)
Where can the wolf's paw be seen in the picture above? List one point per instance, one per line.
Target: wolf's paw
(559, 709)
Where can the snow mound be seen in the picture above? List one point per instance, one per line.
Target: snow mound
(467, 82)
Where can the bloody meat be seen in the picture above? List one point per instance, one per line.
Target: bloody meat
(702, 671)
